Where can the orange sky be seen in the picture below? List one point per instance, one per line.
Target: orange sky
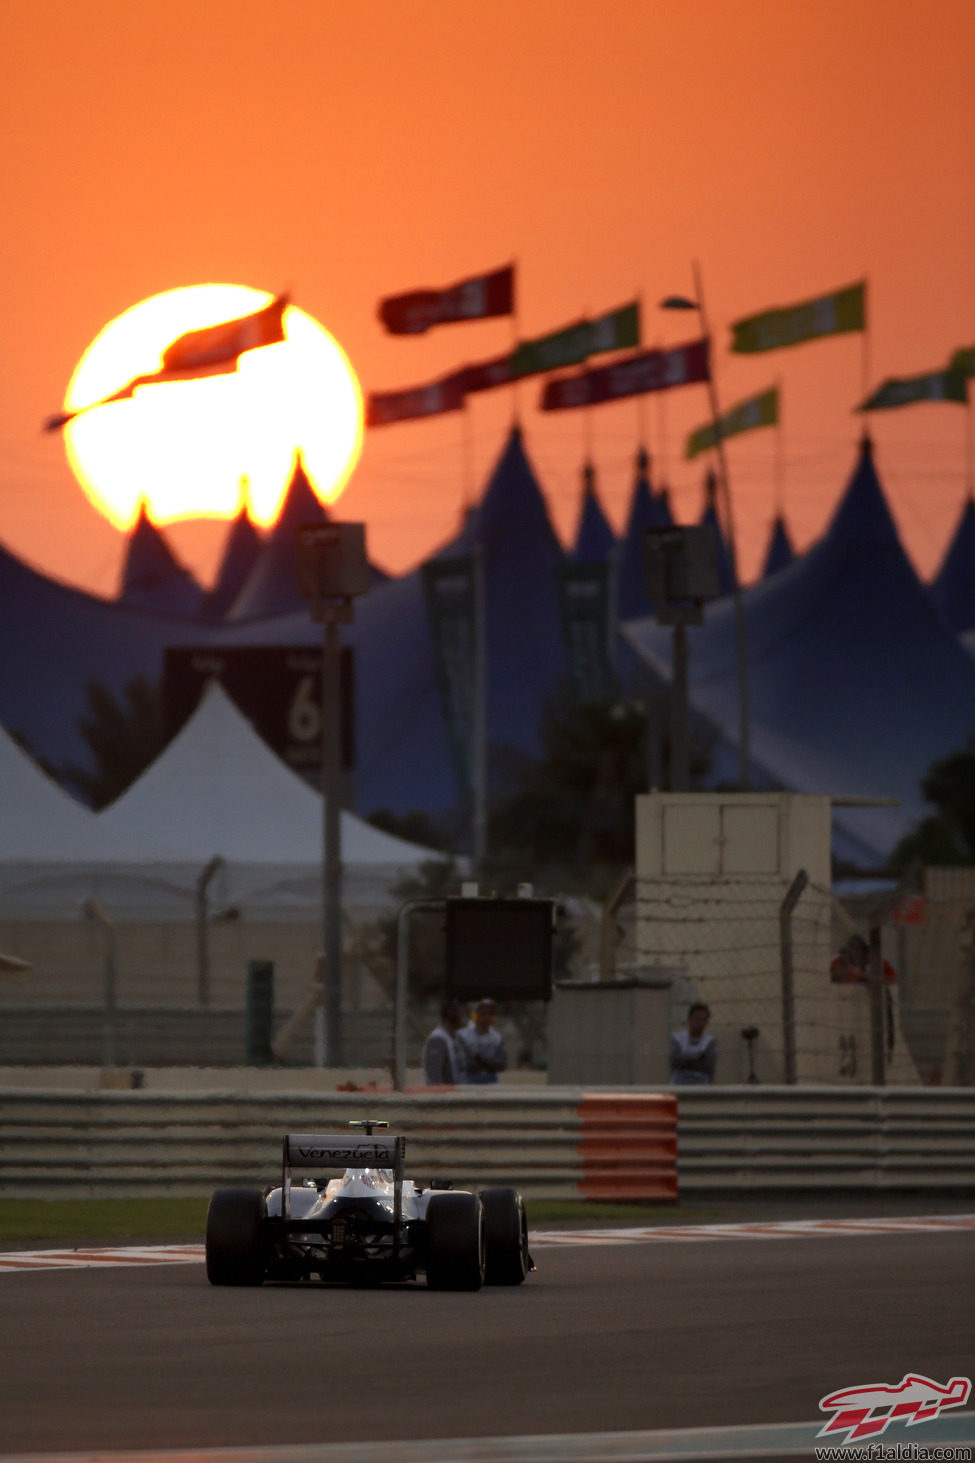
(348, 151)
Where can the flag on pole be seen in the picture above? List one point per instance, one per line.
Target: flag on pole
(470, 299)
(902, 391)
(613, 331)
(485, 374)
(617, 330)
(834, 314)
(757, 411)
(963, 361)
(654, 370)
(214, 350)
(450, 591)
(386, 407)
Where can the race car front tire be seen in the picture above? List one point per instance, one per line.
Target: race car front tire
(455, 1249)
(235, 1250)
(506, 1237)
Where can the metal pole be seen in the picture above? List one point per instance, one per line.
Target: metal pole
(875, 988)
(331, 1054)
(203, 932)
(680, 775)
(786, 908)
(479, 748)
(92, 910)
(741, 647)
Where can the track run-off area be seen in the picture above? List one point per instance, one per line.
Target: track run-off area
(672, 1341)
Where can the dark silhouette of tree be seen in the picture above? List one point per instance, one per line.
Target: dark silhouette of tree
(948, 835)
(573, 809)
(125, 734)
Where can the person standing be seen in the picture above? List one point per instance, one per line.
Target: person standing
(440, 1067)
(481, 1050)
(693, 1050)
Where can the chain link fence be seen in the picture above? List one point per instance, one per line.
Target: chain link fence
(807, 985)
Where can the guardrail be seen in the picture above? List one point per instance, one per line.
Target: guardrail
(556, 1143)
(553, 1145)
(866, 1138)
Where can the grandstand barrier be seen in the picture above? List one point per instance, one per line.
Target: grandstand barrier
(551, 1144)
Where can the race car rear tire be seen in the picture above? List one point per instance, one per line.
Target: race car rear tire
(455, 1249)
(506, 1237)
(235, 1244)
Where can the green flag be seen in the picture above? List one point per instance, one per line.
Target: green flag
(963, 361)
(828, 315)
(902, 391)
(757, 411)
(618, 330)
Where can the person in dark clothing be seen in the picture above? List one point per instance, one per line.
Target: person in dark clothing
(440, 1068)
(481, 1052)
(693, 1051)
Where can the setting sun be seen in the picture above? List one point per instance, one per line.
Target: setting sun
(195, 448)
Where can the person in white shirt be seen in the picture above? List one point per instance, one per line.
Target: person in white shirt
(693, 1051)
(481, 1051)
(440, 1067)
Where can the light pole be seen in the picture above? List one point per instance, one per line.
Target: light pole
(332, 571)
(681, 302)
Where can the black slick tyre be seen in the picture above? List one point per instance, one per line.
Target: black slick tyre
(455, 1250)
(506, 1237)
(235, 1246)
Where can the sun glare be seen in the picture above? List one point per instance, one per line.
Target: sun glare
(198, 448)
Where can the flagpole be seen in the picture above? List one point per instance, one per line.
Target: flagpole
(865, 361)
(741, 649)
(779, 465)
(466, 454)
(515, 342)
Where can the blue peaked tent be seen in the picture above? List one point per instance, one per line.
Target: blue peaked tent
(647, 510)
(856, 683)
(153, 579)
(594, 539)
(60, 638)
(240, 553)
(271, 587)
(779, 551)
(402, 756)
(953, 587)
(709, 516)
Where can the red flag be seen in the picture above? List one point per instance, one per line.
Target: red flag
(484, 375)
(213, 350)
(655, 370)
(470, 299)
(385, 407)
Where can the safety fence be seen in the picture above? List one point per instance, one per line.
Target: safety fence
(787, 973)
(557, 1144)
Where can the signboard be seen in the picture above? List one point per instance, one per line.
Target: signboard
(277, 687)
(500, 948)
(585, 604)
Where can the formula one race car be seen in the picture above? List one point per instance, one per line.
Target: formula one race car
(369, 1225)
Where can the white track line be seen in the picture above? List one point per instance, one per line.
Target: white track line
(951, 1433)
(86, 1259)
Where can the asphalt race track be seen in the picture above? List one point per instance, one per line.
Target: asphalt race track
(602, 1339)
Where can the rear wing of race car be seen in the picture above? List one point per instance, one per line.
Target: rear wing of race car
(341, 1150)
